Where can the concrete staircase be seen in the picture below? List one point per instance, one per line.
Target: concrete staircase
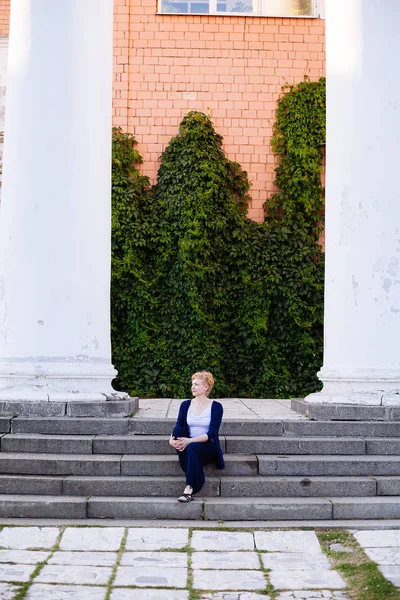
(78, 468)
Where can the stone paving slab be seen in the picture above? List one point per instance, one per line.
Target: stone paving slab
(65, 592)
(248, 408)
(142, 594)
(148, 538)
(378, 539)
(295, 561)
(151, 577)
(384, 556)
(234, 596)
(312, 595)
(90, 538)
(391, 572)
(23, 557)
(306, 579)
(7, 591)
(225, 560)
(170, 560)
(70, 574)
(16, 572)
(89, 559)
(23, 538)
(229, 580)
(222, 540)
(288, 541)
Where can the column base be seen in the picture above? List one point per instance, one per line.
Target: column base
(57, 380)
(360, 387)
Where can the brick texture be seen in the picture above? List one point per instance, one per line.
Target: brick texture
(232, 68)
(4, 17)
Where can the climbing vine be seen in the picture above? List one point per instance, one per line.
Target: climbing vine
(197, 285)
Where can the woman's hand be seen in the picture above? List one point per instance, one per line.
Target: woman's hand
(174, 443)
(182, 443)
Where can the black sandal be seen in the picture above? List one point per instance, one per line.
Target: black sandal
(185, 498)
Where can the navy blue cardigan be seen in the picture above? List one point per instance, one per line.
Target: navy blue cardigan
(181, 428)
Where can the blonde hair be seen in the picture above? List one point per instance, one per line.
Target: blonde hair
(207, 377)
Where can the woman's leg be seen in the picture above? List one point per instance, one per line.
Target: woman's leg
(197, 455)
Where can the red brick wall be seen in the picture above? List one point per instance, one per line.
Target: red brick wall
(4, 17)
(232, 68)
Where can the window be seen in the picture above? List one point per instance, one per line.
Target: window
(268, 8)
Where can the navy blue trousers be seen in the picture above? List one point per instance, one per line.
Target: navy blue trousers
(193, 459)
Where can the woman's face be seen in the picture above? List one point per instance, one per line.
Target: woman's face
(199, 387)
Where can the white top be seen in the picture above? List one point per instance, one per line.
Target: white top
(198, 424)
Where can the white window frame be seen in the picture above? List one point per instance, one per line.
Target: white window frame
(318, 12)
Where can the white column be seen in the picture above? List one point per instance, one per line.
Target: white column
(362, 305)
(55, 216)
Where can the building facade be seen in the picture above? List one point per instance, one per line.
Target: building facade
(173, 57)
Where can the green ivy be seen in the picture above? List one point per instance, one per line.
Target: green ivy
(197, 285)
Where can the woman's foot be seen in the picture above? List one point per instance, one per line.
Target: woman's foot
(187, 495)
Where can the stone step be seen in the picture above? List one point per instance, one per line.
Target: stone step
(42, 507)
(158, 444)
(106, 464)
(245, 509)
(38, 443)
(171, 486)
(154, 466)
(70, 425)
(234, 427)
(59, 464)
(210, 509)
(329, 465)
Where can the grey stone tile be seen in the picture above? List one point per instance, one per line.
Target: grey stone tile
(7, 591)
(301, 579)
(295, 560)
(23, 557)
(234, 596)
(225, 560)
(391, 572)
(378, 539)
(173, 560)
(22, 538)
(16, 572)
(92, 538)
(89, 559)
(384, 556)
(288, 541)
(142, 594)
(40, 591)
(151, 577)
(228, 580)
(148, 538)
(312, 595)
(70, 574)
(222, 540)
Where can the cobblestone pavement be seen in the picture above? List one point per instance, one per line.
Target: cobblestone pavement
(123, 563)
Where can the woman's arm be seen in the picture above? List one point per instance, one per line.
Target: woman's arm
(216, 418)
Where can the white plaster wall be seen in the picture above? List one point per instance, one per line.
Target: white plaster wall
(3, 88)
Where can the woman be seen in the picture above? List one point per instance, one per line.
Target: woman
(195, 435)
